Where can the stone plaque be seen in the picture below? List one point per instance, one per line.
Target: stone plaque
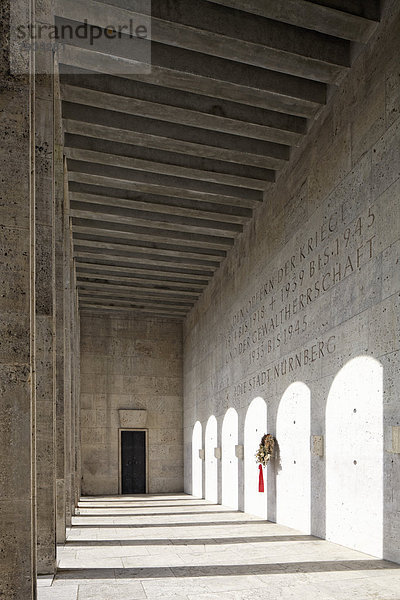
(317, 445)
(239, 451)
(396, 440)
(132, 418)
(217, 453)
(202, 454)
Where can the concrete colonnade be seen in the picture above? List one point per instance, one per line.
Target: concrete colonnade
(39, 339)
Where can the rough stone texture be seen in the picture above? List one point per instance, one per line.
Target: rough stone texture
(67, 364)
(130, 363)
(45, 326)
(59, 320)
(338, 203)
(17, 400)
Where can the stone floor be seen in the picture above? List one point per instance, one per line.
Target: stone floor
(182, 548)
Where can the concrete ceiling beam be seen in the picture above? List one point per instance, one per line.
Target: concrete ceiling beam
(135, 164)
(266, 89)
(97, 194)
(89, 307)
(182, 116)
(146, 256)
(308, 15)
(102, 132)
(163, 190)
(154, 207)
(151, 302)
(170, 284)
(212, 30)
(113, 302)
(148, 178)
(150, 234)
(195, 104)
(94, 259)
(139, 296)
(153, 249)
(173, 265)
(132, 288)
(91, 267)
(178, 165)
(159, 221)
(175, 131)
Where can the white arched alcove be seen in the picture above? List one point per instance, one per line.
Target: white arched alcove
(229, 461)
(211, 487)
(255, 427)
(293, 482)
(197, 463)
(354, 457)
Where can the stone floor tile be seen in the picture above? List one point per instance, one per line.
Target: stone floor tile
(179, 547)
(91, 562)
(159, 560)
(130, 591)
(179, 586)
(69, 592)
(361, 589)
(232, 582)
(44, 580)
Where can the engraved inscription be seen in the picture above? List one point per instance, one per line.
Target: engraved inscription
(276, 314)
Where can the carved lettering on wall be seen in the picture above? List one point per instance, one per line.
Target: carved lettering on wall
(278, 312)
(287, 365)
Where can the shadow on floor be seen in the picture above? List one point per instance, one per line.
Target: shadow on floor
(158, 514)
(171, 525)
(195, 542)
(219, 570)
(117, 506)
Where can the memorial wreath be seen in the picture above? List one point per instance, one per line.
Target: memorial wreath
(265, 450)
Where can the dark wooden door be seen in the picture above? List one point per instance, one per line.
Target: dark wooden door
(133, 462)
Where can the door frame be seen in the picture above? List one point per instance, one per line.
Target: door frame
(146, 449)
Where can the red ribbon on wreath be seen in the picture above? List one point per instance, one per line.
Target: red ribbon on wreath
(260, 479)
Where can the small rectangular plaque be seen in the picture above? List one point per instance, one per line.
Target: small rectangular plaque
(396, 440)
(217, 453)
(132, 418)
(317, 445)
(202, 454)
(239, 451)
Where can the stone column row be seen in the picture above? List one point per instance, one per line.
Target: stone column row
(17, 327)
(39, 327)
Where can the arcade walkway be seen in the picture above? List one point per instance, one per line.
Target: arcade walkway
(176, 546)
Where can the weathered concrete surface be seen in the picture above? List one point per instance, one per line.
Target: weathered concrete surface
(71, 371)
(312, 284)
(17, 397)
(59, 319)
(45, 339)
(129, 362)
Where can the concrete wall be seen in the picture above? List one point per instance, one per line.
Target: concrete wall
(130, 363)
(312, 284)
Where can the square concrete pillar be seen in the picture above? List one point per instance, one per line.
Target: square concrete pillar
(45, 340)
(17, 389)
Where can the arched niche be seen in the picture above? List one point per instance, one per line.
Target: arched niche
(197, 463)
(255, 426)
(293, 482)
(354, 457)
(211, 478)
(229, 437)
